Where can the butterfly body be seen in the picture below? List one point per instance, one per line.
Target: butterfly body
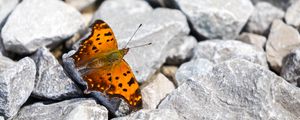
(102, 66)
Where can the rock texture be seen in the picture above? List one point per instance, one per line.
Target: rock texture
(38, 29)
(216, 18)
(51, 81)
(6, 6)
(292, 16)
(262, 17)
(157, 114)
(74, 109)
(253, 39)
(282, 4)
(192, 70)
(282, 39)
(221, 50)
(236, 89)
(16, 84)
(291, 67)
(80, 4)
(156, 90)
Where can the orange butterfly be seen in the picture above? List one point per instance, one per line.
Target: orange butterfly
(105, 69)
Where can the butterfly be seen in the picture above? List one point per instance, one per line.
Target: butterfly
(105, 70)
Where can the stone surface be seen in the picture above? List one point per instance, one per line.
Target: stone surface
(181, 50)
(80, 4)
(292, 16)
(156, 90)
(51, 81)
(216, 18)
(169, 71)
(74, 109)
(147, 114)
(221, 50)
(2, 118)
(253, 39)
(16, 84)
(282, 4)
(262, 17)
(282, 39)
(161, 32)
(6, 6)
(38, 29)
(192, 70)
(236, 89)
(291, 67)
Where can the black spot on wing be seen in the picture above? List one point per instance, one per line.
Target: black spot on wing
(108, 34)
(131, 81)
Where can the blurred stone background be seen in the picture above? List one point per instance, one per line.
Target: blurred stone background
(209, 59)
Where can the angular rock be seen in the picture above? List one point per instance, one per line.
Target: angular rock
(218, 51)
(51, 81)
(262, 17)
(156, 114)
(156, 90)
(161, 32)
(236, 89)
(216, 18)
(282, 39)
(291, 67)
(192, 70)
(37, 28)
(292, 16)
(80, 4)
(253, 39)
(16, 84)
(6, 6)
(74, 109)
(181, 50)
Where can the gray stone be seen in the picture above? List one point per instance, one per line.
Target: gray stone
(16, 84)
(169, 71)
(2, 118)
(6, 6)
(281, 41)
(161, 32)
(156, 90)
(192, 70)
(51, 81)
(80, 4)
(46, 22)
(291, 67)
(262, 17)
(156, 114)
(236, 89)
(282, 4)
(74, 109)
(292, 16)
(221, 50)
(253, 39)
(181, 50)
(216, 18)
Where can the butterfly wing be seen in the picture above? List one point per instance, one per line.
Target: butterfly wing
(118, 81)
(101, 40)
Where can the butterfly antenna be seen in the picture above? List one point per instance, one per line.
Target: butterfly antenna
(141, 45)
(133, 35)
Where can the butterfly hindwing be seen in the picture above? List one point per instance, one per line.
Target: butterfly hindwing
(101, 40)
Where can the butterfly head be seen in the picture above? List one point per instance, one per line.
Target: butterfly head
(124, 51)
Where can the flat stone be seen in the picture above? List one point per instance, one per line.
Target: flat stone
(156, 114)
(74, 109)
(38, 29)
(236, 89)
(16, 84)
(181, 50)
(262, 17)
(291, 67)
(80, 4)
(216, 18)
(218, 51)
(6, 6)
(292, 16)
(51, 81)
(253, 39)
(192, 70)
(281, 41)
(156, 90)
